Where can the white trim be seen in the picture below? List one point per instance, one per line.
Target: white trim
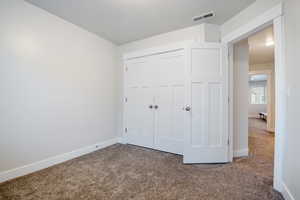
(156, 50)
(121, 140)
(272, 16)
(124, 96)
(286, 193)
(27, 169)
(241, 153)
(280, 99)
(255, 25)
(231, 99)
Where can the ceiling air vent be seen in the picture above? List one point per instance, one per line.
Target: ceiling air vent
(204, 16)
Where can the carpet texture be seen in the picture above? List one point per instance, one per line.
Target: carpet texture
(130, 172)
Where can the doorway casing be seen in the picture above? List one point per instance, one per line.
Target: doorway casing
(273, 16)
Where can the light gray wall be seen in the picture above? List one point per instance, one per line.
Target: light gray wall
(291, 162)
(198, 33)
(240, 96)
(190, 33)
(57, 83)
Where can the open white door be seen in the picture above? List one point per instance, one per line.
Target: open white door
(206, 120)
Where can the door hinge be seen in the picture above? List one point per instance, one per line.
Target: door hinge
(126, 99)
(228, 142)
(126, 69)
(228, 99)
(126, 130)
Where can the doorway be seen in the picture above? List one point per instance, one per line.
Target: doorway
(254, 99)
(262, 78)
(275, 18)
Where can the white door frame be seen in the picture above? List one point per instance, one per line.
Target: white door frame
(272, 16)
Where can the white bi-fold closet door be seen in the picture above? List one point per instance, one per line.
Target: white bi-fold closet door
(154, 101)
(177, 101)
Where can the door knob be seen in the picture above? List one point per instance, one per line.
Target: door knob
(188, 108)
(156, 106)
(150, 106)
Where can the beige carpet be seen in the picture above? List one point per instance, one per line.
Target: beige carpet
(129, 172)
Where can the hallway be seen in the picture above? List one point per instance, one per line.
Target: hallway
(261, 146)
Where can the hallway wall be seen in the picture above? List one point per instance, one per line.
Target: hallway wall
(240, 98)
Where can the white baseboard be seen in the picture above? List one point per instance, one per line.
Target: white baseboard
(241, 153)
(122, 140)
(286, 192)
(27, 169)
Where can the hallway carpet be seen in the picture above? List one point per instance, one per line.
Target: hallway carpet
(129, 172)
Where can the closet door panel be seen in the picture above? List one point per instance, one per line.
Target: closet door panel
(169, 119)
(140, 72)
(148, 71)
(156, 80)
(134, 71)
(178, 127)
(170, 99)
(140, 117)
(164, 113)
(170, 68)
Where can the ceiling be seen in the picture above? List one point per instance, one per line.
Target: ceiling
(260, 53)
(123, 21)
